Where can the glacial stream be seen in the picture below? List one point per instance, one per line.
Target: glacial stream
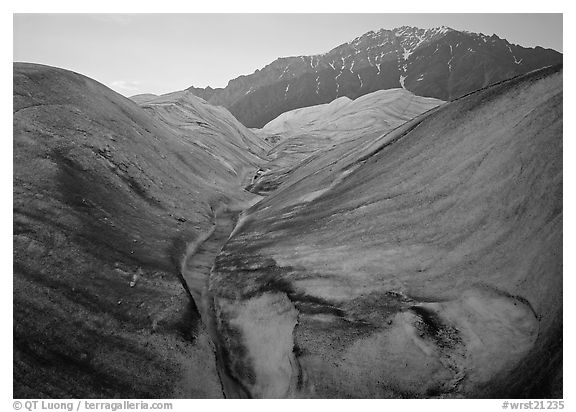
(196, 267)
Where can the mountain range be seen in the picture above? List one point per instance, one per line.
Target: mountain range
(440, 62)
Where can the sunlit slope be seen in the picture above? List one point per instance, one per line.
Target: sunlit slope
(143, 98)
(105, 200)
(213, 130)
(383, 107)
(340, 127)
(429, 266)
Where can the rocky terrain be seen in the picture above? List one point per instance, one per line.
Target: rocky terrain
(388, 246)
(442, 63)
(108, 196)
(426, 264)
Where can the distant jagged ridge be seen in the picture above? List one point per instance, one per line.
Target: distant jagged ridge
(441, 62)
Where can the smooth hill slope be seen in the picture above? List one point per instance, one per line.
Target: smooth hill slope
(106, 198)
(429, 265)
(143, 98)
(440, 62)
(211, 129)
(384, 107)
(306, 117)
(341, 128)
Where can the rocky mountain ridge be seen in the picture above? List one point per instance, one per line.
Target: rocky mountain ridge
(440, 62)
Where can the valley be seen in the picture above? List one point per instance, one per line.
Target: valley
(395, 234)
(107, 199)
(412, 285)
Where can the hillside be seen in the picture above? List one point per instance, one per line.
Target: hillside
(386, 246)
(325, 132)
(107, 197)
(426, 264)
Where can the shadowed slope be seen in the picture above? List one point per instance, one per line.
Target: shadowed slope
(105, 200)
(429, 264)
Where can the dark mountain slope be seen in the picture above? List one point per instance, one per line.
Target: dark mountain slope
(459, 63)
(441, 63)
(205, 94)
(106, 199)
(426, 263)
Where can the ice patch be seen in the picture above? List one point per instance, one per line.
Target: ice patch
(402, 78)
(451, 58)
(406, 54)
(516, 61)
(284, 72)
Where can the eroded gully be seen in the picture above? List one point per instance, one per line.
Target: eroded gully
(196, 267)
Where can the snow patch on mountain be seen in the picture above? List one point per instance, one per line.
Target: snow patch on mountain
(516, 61)
(406, 54)
(284, 72)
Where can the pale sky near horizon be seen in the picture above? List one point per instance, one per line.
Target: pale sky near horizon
(160, 53)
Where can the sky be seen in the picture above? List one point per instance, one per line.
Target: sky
(161, 53)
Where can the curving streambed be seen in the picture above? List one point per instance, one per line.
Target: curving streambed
(196, 268)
